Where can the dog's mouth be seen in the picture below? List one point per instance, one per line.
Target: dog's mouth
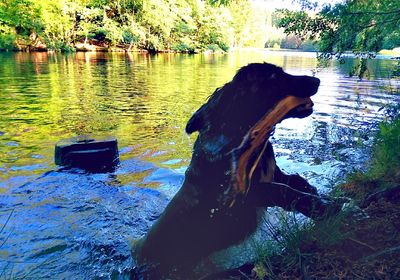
(246, 157)
(301, 111)
(305, 107)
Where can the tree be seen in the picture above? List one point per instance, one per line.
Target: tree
(58, 19)
(86, 21)
(361, 26)
(214, 31)
(241, 11)
(18, 20)
(155, 25)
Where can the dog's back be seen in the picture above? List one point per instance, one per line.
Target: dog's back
(194, 224)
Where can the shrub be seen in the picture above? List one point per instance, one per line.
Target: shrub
(383, 170)
(386, 153)
(182, 47)
(7, 38)
(294, 238)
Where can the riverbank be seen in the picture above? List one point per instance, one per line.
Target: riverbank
(95, 46)
(363, 242)
(102, 47)
(99, 46)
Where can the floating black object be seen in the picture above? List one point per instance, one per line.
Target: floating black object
(94, 155)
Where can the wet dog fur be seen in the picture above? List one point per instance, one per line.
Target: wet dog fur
(196, 223)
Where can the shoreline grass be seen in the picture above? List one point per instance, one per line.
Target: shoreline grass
(357, 243)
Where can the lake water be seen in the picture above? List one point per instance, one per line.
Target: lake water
(62, 224)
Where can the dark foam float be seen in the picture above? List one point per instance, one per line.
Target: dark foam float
(93, 155)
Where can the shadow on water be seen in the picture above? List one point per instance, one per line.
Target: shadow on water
(74, 225)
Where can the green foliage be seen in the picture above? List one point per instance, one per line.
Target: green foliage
(292, 237)
(155, 25)
(7, 37)
(113, 33)
(88, 21)
(18, 20)
(219, 2)
(384, 168)
(386, 154)
(23, 15)
(363, 27)
(182, 47)
(250, 24)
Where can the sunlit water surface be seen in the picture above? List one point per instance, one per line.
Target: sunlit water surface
(63, 224)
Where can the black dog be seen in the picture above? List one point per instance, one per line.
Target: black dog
(196, 222)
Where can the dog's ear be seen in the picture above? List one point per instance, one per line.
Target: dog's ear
(204, 115)
(197, 121)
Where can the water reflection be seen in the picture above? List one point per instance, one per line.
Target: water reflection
(144, 99)
(72, 224)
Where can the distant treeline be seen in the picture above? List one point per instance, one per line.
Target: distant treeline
(152, 25)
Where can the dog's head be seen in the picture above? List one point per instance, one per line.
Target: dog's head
(233, 109)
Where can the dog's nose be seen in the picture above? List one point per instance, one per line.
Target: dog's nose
(314, 84)
(305, 86)
(316, 81)
(310, 81)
